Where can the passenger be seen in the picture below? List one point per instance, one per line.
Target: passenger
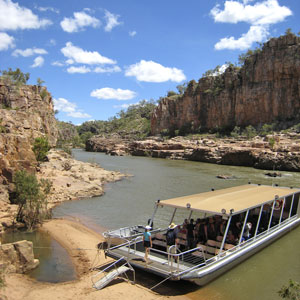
(210, 229)
(190, 234)
(222, 227)
(172, 240)
(185, 224)
(247, 234)
(230, 238)
(201, 232)
(147, 241)
(196, 229)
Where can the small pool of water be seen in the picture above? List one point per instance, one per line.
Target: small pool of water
(55, 263)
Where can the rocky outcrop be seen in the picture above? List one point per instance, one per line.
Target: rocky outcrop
(264, 90)
(18, 257)
(257, 153)
(26, 112)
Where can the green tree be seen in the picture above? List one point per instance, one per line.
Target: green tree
(17, 76)
(289, 31)
(235, 132)
(40, 82)
(181, 88)
(290, 291)
(171, 93)
(41, 148)
(30, 195)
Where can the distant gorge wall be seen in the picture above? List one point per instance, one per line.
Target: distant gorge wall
(264, 90)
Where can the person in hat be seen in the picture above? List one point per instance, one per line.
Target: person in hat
(171, 238)
(147, 242)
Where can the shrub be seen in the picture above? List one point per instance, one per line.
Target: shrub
(290, 291)
(249, 132)
(30, 195)
(272, 142)
(41, 148)
(235, 132)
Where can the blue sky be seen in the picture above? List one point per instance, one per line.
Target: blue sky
(97, 57)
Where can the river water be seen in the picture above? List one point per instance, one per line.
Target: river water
(131, 201)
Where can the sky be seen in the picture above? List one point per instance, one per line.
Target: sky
(98, 57)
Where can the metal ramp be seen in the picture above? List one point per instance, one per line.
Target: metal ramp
(111, 275)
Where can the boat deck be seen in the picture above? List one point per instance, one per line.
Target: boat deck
(158, 261)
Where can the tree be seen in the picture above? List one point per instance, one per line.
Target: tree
(290, 291)
(40, 82)
(17, 76)
(181, 88)
(288, 31)
(249, 132)
(41, 148)
(30, 195)
(171, 93)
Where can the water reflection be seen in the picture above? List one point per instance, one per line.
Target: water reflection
(55, 263)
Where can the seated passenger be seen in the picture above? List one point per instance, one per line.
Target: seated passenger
(210, 229)
(230, 238)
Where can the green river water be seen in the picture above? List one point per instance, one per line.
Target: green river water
(131, 201)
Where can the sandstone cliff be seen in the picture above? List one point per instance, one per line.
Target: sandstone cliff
(264, 90)
(26, 112)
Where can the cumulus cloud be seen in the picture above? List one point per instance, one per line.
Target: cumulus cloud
(81, 69)
(111, 21)
(79, 22)
(110, 93)
(29, 52)
(14, 17)
(113, 69)
(57, 64)
(132, 33)
(78, 55)
(70, 108)
(260, 15)
(150, 71)
(255, 34)
(38, 62)
(6, 41)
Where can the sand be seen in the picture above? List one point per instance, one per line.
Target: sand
(81, 243)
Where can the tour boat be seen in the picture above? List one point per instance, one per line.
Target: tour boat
(271, 212)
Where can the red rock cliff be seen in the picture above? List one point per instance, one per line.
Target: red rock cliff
(265, 89)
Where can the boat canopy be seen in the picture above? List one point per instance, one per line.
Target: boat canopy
(229, 201)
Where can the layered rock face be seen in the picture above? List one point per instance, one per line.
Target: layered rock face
(26, 112)
(284, 155)
(264, 90)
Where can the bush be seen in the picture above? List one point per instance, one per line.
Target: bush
(30, 195)
(41, 148)
(249, 132)
(291, 291)
(236, 132)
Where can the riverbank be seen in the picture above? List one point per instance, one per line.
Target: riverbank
(275, 152)
(81, 243)
(71, 179)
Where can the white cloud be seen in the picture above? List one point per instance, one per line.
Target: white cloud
(110, 93)
(132, 33)
(38, 62)
(6, 41)
(78, 55)
(255, 34)
(57, 64)
(80, 20)
(111, 21)
(52, 42)
(43, 9)
(29, 52)
(151, 71)
(260, 15)
(13, 17)
(107, 70)
(84, 69)
(70, 108)
(81, 69)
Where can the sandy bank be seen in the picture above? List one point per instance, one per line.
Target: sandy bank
(72, 236)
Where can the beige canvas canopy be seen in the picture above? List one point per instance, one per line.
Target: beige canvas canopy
(232, 200)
